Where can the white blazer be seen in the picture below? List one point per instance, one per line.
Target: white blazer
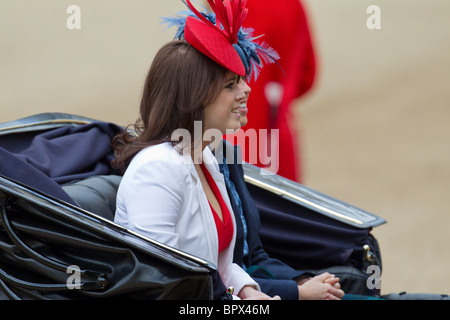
(161, 196)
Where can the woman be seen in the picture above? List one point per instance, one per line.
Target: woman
(178, 196)
(285, 281)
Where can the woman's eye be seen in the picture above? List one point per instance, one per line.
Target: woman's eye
(232, 84)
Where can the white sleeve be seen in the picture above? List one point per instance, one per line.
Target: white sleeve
(238, 278)
(153, 198)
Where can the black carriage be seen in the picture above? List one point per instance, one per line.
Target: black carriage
(58, 239)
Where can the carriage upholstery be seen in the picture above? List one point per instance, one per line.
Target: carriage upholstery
(96, 194)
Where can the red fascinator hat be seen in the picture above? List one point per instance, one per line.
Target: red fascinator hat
(213, 41)
(219, 35)
(208, 41)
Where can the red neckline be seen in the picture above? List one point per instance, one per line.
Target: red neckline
(225, 227)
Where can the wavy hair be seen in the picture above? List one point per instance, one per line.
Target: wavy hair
(181, 82)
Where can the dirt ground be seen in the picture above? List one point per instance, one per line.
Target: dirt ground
(374, 130)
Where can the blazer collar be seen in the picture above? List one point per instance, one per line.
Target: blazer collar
(210, 162)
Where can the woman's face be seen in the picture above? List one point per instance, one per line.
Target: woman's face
(243, 103)
(225, 112)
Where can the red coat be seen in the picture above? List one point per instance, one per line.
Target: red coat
(285, 28)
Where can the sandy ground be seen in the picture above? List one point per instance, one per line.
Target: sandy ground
(374, 130)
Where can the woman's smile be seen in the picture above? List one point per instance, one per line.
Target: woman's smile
(237, 111)
(243, 108)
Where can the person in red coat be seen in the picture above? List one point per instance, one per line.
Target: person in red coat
(284, 25)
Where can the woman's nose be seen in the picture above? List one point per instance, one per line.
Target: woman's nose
(244, 88)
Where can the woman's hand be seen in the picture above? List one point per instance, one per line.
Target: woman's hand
(322, 287)
(250, 293)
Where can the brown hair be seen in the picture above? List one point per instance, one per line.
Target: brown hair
(181, 82)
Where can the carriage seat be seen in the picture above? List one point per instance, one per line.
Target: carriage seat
(96, 194)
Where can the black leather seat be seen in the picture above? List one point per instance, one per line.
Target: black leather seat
(96, 194)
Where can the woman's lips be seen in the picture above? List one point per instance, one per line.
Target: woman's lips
(243, 110)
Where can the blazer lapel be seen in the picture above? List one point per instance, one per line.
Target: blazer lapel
(205, 211)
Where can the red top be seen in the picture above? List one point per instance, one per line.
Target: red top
(225, 227)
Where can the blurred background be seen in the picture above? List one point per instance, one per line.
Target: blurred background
(374, 130)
